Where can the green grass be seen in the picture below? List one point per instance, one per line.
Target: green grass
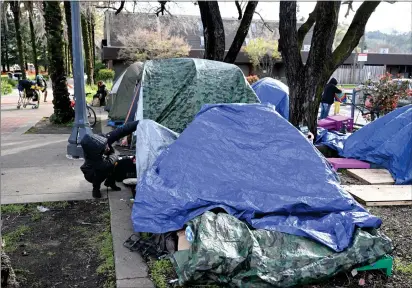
(160, 270)
(348, 86)
(13, 208)
(106, 254)
(404, 268)
(12, 238)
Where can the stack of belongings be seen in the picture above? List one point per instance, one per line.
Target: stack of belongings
(387, 142)
(260, 205)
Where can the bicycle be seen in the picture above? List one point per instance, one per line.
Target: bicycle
(91, 114)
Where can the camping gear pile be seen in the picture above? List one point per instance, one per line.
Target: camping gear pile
(251, 201)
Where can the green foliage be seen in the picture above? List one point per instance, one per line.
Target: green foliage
(263, 54)
(259, 48)
(384, 93)
(12, 238)
(105, 75)
(6, 88)
(403, 267)
(160, 270)
(12, 208)
(97, 67)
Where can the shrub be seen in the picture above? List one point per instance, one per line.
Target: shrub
(252, 79)
(105, 75)
(98, 66)
(6, 88)
(12, 82)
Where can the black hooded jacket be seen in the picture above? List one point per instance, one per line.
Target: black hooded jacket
(329, 92)
(97, 165)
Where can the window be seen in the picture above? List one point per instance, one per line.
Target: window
(202, 41)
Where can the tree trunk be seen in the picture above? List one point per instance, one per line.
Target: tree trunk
(214, 32)
(33, 38)
(242, 32)
(68, 15)
(93, 24)
(86, 45)
(15, 8)
(63, 113)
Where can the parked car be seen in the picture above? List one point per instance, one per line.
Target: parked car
(16, 75)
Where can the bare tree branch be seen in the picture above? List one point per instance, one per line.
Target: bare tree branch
(162, 8)
(304, 29)
(120, 8)
(241, 33)
(106, 7)
(350, 8)
(264, 22)
(354, 33)
(239, 10)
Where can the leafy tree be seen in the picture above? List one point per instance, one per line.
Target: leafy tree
(63, 113)
(147, 45)
(306, 81)
(263, 54)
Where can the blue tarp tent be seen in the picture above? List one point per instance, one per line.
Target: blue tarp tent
(248, 160)
(273, 91)
(387, 142)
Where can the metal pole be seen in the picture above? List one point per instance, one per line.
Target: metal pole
(81, 124)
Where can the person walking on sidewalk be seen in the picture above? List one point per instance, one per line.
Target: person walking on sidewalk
(328, 97)
(100, 157)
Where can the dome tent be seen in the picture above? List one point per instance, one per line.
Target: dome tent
(274, 92)
(122, 92)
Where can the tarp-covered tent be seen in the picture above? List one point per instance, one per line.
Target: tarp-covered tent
(387, 141)
(273, 91)
(226, 251)
(174, 90)
(121, 95)
(248, 160)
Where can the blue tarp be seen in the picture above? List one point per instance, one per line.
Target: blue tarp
(248, 160)
(333, 139)
(274, 92)
(387, 142)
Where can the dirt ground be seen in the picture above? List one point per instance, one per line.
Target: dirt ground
(68, 246)
(45, 127)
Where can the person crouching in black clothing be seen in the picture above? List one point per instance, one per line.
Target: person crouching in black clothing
(100, 157)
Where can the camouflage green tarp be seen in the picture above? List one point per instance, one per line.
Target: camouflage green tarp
(227, 252)
(174, 90)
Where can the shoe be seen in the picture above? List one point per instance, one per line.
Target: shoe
(112, 185)
(115, 188)
(96, 193)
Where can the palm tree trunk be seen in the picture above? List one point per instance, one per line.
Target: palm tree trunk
(15, 8)
(33, 37)
(63, 113)
(68, 15)
(86, 45)
(92, 26)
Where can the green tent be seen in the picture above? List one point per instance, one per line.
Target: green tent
(121, 95)
(174, 90)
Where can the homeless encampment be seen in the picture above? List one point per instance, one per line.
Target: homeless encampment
(121, 95)
(387, 142)
(273, 91)
(173, 90)
(288, 220)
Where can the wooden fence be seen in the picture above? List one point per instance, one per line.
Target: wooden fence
(347, 75)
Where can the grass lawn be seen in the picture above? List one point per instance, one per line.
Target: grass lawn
(68, 246)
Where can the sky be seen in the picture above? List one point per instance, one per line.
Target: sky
(387, 17)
